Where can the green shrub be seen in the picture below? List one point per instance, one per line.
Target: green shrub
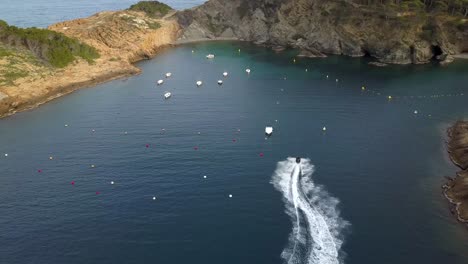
(53, 47)
(153, 25)
(151, 8)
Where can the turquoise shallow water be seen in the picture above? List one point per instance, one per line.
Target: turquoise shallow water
(384, 163)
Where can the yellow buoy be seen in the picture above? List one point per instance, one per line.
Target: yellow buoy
(389, 97)
(363, 88)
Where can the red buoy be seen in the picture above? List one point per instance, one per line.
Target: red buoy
(234, 140)
(195, 148)
(73, 183)
(39, 171)
(261, 154)
(97, 193)
(147, 145)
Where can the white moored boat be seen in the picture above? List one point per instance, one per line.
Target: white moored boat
(160, 82)
(225, 74)
(220, 82)
(247, 71)
(268, 131)
(210, 56)
(169, 74)
(167, 95)
(199, 83)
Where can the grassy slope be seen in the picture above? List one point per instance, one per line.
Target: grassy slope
(49, 46)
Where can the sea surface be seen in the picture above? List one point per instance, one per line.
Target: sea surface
(195, 180)
(372, 179)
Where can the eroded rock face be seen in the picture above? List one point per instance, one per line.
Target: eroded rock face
(324, 27)
(457, 189)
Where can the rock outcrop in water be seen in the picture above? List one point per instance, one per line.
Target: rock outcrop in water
(322, 27)
(456, 189)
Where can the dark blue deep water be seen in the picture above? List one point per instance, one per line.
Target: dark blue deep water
(384, 163)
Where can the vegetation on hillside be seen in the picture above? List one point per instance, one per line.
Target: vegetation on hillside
(51, 47)
(153, 9)
(451, 7)
(16, 63)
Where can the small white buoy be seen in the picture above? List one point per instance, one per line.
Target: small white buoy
(336, 80)
(307, 70)
(92, 166)
(199, 83)
(220, 82)
(167, 95)
(154, 198)
(125, 133)
(6, 154)
(210, 56)
(327, 76)
(112, 182)
(160, 82)
(66, 125)
(193, 51)
(204, 177)
(268, 130)
(276, 120)
(389, 97)
(225, 74)
(168, 75)
(324, 129)
(230, 195)
(93, 130)
(247, 71)
(51, 158)
(415, 112)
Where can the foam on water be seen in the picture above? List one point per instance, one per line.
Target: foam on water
(316, 237)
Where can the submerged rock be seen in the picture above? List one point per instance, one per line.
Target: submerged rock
(378, 64)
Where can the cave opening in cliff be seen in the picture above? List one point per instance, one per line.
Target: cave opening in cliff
(436, 51)
(366, 53)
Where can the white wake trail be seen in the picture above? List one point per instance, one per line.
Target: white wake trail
(317, 228)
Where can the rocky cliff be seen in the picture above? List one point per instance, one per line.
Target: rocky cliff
(320, 27)
(457, 189)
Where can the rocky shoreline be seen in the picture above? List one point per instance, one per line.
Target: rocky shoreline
(322, 27)
(456, 189)
(121, 37)
(315, 29)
